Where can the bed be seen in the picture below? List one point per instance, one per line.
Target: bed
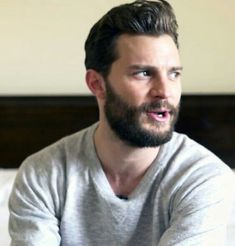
(29, 123)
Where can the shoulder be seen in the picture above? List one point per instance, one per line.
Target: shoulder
(196, 189)
(189, 153)
(43, 177)
(57, 158)
(190, 166)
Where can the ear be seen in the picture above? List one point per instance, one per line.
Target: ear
(95, 83)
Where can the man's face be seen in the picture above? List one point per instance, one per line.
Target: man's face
(143, 90)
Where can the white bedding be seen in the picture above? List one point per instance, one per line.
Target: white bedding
(7, 177)
(6, 181)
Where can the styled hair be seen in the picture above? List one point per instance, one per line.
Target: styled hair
(153, 18)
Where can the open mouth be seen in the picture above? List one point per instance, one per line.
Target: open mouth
(160, 116)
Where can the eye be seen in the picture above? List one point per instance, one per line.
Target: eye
(173, 75)
(142, 74)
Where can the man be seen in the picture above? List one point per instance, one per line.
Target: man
(129, 179)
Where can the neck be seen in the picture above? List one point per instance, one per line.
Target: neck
(123, 165)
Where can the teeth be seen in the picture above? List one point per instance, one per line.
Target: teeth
(160, 114)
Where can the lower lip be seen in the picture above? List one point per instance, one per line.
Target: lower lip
(158, 118)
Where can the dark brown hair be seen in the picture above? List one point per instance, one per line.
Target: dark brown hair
(137, 18)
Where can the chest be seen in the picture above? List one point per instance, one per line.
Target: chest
(92, 218)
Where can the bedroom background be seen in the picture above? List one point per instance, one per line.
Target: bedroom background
(42, 44)
(42, 81)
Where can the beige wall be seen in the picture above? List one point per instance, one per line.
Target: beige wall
(41, 44)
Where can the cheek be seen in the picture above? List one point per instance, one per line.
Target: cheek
(176, 92)
(133, 96)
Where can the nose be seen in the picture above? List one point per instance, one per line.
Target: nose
(160, 87)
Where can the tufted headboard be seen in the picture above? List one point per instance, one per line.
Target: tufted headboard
(29, 123)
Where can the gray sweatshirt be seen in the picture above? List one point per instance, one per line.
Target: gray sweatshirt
(61, 196)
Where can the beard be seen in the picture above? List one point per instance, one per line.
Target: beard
(125, 120)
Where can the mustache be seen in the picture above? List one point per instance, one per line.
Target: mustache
(160, 104)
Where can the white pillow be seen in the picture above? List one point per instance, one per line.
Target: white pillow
(7, 177)
(231, 224)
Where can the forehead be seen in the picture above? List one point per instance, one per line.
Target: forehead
(147, 50)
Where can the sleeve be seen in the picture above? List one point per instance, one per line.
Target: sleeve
(34, 206)
(200, 210)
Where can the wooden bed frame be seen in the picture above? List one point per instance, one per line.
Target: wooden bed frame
(28, 124)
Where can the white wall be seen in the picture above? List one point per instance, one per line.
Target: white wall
(207, 35)
(41, 44)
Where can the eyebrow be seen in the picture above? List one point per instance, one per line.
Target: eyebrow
(138, 66)
(177, 68)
